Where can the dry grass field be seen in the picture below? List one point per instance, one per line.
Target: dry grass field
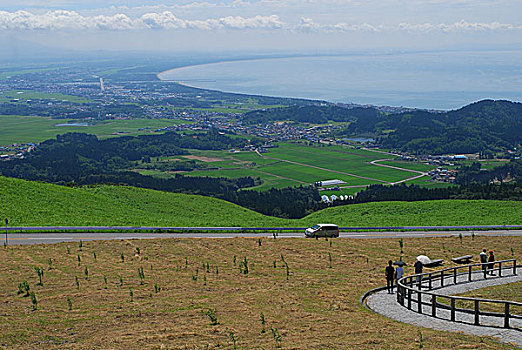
(308, 300)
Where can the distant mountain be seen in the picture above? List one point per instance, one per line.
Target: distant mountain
(486, 126)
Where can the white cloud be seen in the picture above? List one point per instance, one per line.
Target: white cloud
(308, 25)
(166, 20)
(66, 20)
(460, 26)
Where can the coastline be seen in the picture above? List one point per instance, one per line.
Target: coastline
(349, 79)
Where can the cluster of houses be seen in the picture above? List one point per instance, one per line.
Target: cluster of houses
(16, 151)
(442, 174)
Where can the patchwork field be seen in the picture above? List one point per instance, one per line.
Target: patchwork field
(293, 164)
(216, 294)
(28, 203)
(24, 129)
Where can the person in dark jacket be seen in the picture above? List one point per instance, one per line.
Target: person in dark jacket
(491, 258)
(390, 276)
(418, 270)
(483, 260)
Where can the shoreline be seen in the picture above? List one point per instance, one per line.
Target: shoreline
(364, 95)
(180, 82)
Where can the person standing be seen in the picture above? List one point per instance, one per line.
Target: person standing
(491, 259)
(483, 260)
(390, 276)
(418, 270)
(399, 272)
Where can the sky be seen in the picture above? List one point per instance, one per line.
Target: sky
(243, 25)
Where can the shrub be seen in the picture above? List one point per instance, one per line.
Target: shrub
(40, 273)
(211, 314)
(33, 300)
(277, 337)
(243, 266)
(23, 288)
(141, 275)
(233, 340)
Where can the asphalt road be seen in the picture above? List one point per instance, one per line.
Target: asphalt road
(49, 238)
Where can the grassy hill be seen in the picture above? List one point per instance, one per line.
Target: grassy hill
(33, 203)
(28, 203)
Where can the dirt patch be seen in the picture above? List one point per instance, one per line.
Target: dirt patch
(203, 159)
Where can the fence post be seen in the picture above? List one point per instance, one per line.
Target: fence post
(500, 269)
(469, 273)
(442, 278)
(453, 309)
(477, 313)
(434, 305)
(455, 276)
(419, 302)
(429, 281)
(514, 267)
(409, 299)
(506, 315)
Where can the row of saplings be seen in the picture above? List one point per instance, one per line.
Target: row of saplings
(24, 288)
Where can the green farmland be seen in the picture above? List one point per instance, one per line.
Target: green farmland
(24, 129)
(294, 164)
(24, 95)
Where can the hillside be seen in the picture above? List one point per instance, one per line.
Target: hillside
(33, 203)
(310, 114)
(28, 203)
(485, 126)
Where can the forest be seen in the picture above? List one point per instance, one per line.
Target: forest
(316, 114)
(486, 126)
(474, 173)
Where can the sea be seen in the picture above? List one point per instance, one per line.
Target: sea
(440, 80)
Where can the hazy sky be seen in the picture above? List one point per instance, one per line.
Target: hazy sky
(263, 24)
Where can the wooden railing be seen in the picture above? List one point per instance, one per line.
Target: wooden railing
(411, 295)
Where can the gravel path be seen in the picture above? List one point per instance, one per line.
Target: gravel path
(387, 305)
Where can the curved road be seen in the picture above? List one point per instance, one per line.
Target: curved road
(422, 174)
(49, 238)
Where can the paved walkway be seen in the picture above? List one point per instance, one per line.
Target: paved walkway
(387, 305)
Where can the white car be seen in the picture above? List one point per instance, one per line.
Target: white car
(322, 230)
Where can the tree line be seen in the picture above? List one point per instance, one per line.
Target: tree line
(486, 126)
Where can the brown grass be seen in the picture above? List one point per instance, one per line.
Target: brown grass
(316, 308)
(203, 159)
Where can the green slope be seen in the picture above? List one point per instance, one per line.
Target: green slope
(426, 213)
(28, 203)
(31, 203)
